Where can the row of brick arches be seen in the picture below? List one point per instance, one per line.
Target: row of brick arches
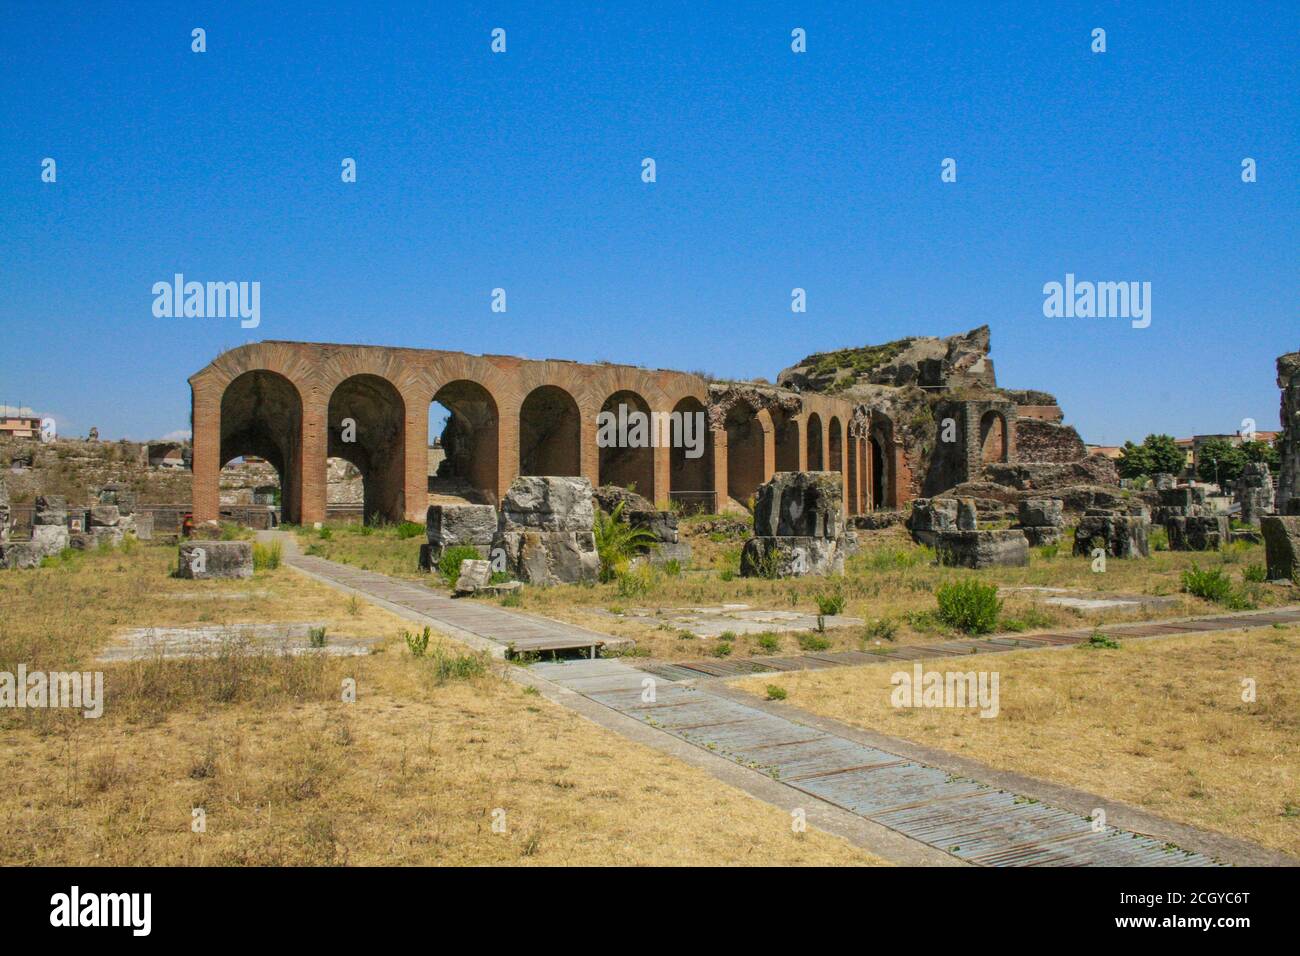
(299, 404)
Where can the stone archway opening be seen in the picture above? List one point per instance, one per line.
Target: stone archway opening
(993, 438)
(367, 427)
(690, 475)
(463, 442)
(550, 433)
(852, 503)
(836, 446)
(815, 462)
(628, 460)
(785, 435)
(878, 482)
(261, 416)
(744, 452)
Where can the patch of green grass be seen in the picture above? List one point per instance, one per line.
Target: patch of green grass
(969, 606)
(776, 692)
(830, 603)
(449, 563)
(1102, 641)
(266, 557)
(409, 529)
(813, 642)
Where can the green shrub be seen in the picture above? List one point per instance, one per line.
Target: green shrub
(722, 649)
(775, 692)
(768, 642)
(447, 665)
(417, 644)
(266, 557)
(316, 636)
(513, 599)
(969, 606)
(813, 642)
(409, 529)
(636, 582)
(1255, 573)
(1214, 585)
(325, 533)
(1100, 640)
(831, 603)
(672, 568)
(726, 574)
(881, 629)
(1158, 538)
(449, 563)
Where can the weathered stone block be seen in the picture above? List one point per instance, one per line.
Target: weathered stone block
(448, 526)
(790, 556)
(49, 538)
(1281, 546)
(103, 516)
(1118, 535)
(549, 557)
(1041, 512)
(1254, 492)
(800, 504)
(983, 549)
(1041, 535)
(548, 503)
(967, 514)
(143, 525)
(1198, 533)
(203, 560)
(474, 575)
(50, 509)
(661, 524)
(20, 555)
(929, 517)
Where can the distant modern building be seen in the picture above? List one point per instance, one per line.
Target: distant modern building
(20, 425)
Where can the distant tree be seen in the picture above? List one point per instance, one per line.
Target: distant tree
(1134, 461)
(1262, 451)
(1220, 461)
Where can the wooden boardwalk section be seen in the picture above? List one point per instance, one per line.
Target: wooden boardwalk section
(503, 633)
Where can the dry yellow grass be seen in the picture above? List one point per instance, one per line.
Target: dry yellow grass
(1158, 723)
(287, 773)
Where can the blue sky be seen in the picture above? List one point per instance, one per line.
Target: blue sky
(775, 171)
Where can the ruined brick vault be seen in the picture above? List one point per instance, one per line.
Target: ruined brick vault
(288, 402)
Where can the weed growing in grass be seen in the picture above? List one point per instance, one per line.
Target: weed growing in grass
(1255, 573)
(1026, 621)
(672, 568)
(969, 606)
(1214, 585)
(266, 557)
(830, 603)
(1102, 641)
(354, 606)
(409, 529)
(316, 636)
(813, 642)
(446, 665)
(722, 649)
(417, 644)
(449, 563)
(881, 629)
(726, 574)
(768, 642)
(635, 583)
(1158, 538)
(513, 599)
(776, 692)
(325, 534)
(1049, 551)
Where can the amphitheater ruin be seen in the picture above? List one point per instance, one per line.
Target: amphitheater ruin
(299, 404)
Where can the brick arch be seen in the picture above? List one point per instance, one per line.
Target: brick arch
(628, 461)
(550, 432)
(261, 413)
(366, 425)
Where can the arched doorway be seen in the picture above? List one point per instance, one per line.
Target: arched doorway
(690, 475)
(815, 462)
(261, 415)
(550, 433)
(878, 483)
(853, 505)
(785, 428)
(367, 427)
(463, 442)
(628, 460)
(744, 452)
(993, 438)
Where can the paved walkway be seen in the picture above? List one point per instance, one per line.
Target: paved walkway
(810, 764)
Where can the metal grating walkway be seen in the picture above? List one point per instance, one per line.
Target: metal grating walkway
(975, 822)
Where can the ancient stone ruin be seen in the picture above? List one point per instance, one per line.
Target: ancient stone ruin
(203, 560)
(798, 527)
(1041, 520)
(545, 532)
(1288, 380)
(1254, 492)
(1119, 534)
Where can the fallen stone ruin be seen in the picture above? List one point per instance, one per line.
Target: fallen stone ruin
(798, 527)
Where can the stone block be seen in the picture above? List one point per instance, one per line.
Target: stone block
(661, 524)
(549, 557)
(1041, 535)
(930, 516)
(800, 504)
(204, 560)
(50, 509)
(1118, 535)
(143, 525)
(474, 575)
(983, 549)
(447, 526)
(1281, 546)
(1199, 533)
(1041, 512)
(103, 516)
(548, 503)
(791, 556)
(967, 514)
(49, 538)
(20, 555)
